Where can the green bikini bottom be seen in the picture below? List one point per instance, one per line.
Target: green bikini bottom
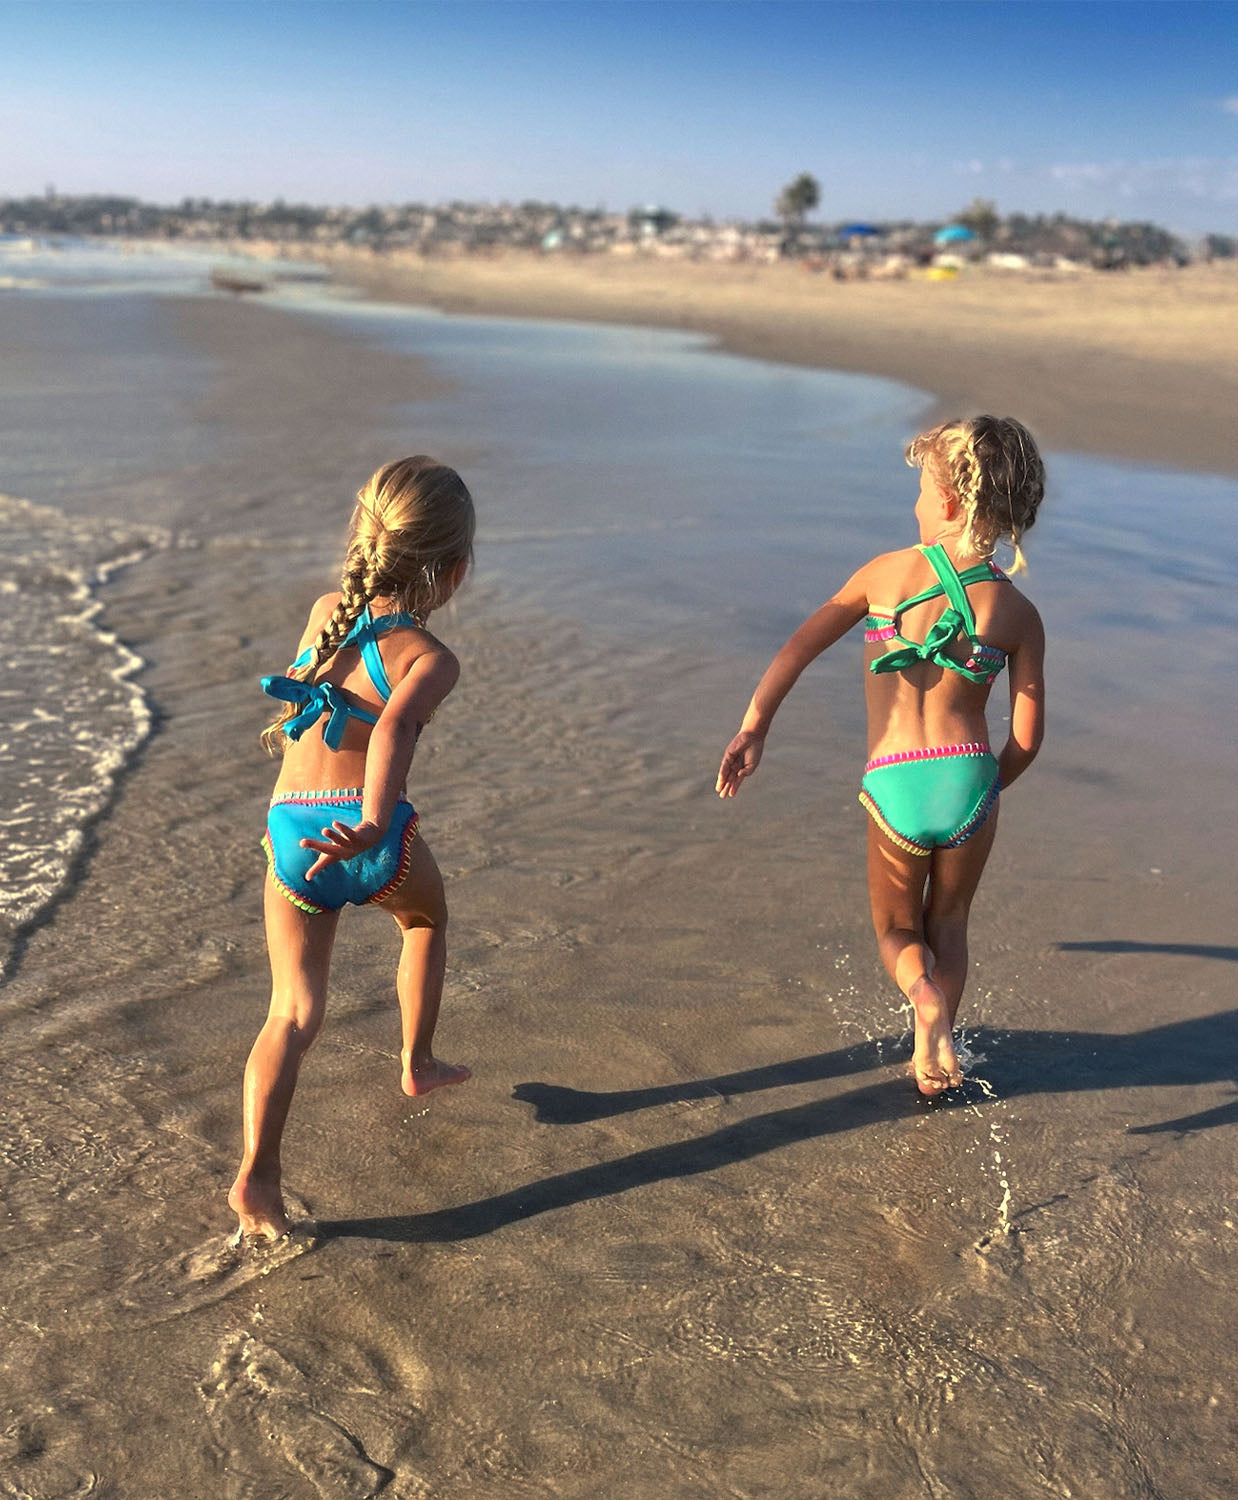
(931, 799)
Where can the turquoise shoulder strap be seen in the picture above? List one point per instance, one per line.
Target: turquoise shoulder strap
(365, 638)
(952, 585)
(981, 573)
(364, 635)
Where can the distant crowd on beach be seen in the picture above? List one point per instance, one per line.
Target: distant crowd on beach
(979, 236)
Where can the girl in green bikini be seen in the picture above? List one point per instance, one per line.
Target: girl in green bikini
(931, 783)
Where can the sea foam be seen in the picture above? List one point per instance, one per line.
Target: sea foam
(71, 713)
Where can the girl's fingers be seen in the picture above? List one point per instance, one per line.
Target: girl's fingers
(334, 847)
(338, 836)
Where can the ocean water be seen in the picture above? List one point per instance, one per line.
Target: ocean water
(70, 709)
(72, 455)
(67, 264)
(638, 480)
(633, 481)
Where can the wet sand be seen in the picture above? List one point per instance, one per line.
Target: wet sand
(688, 1232)
(1140, 365)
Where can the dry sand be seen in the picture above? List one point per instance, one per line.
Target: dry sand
(1142, 365)
(687, 1233)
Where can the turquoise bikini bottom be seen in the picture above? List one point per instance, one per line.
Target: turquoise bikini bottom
(931, 799)
(371, 876)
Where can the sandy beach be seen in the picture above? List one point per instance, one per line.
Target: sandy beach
(1140, 364)
(688, 1232)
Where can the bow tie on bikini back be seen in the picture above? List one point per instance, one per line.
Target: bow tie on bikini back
(956, 620)
(940, 637)
(315, 699)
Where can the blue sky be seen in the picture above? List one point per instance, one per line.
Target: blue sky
(900, 110)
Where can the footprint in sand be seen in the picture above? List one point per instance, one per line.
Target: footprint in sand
(265, 1419)
(209, 1272)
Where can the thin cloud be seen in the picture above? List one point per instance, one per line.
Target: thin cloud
(1229, 106)
(1211, 178)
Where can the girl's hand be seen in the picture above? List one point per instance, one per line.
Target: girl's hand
(341, 841)
(743, 756)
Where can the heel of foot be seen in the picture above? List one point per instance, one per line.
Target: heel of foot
(433, 1075)
(935, 1063)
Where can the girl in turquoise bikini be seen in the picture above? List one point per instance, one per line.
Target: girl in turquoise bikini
(931, 783)
(340, 830)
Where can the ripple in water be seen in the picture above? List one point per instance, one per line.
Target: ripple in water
(70, 712)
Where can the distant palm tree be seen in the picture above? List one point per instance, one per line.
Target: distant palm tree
(797, 200)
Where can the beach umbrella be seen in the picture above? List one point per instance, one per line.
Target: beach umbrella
(855, 231)
(953, 234)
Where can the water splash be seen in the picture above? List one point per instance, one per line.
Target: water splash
(998, 1141)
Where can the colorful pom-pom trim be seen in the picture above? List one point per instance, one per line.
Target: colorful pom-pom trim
(936, 752)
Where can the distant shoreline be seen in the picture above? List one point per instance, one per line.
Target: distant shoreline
(1138, 365)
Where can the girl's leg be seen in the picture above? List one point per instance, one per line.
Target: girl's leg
(299, 946)
(956, 875)
(896, 882)
(420, 910)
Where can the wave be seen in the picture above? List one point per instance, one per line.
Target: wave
(71, 713)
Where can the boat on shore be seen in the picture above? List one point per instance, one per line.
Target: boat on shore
(231, 281)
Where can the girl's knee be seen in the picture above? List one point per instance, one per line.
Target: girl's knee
(949, 917)
(300, 1018)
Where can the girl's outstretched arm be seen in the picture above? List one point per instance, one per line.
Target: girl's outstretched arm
(819, 631)
(1027, 702)
(388, 756)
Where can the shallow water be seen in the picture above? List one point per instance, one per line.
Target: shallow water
(688, 1232)
(631, 483)
(70, 708)
(636, 480)
(107, 395)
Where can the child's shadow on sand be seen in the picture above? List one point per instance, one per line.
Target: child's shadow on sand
(741, 1141)
(1200, 1051)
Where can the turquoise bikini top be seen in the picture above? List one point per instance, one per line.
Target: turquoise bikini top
(983, 663)
(318, 698)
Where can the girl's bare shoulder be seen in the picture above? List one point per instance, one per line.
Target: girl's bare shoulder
(320, 612)
(412, 644)
(1016, 601)
(1016, 619)
(323, 606)
(888, 572)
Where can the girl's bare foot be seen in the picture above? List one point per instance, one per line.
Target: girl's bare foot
(934, 1062)
(420, 1077)
(259, 1207)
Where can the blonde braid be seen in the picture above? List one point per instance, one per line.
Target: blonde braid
(967, 481)
(356, 591)
(355, 594)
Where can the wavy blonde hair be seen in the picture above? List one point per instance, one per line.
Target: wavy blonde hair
(411, 529)
(993, 468)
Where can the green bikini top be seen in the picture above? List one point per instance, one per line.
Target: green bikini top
(983, 663)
